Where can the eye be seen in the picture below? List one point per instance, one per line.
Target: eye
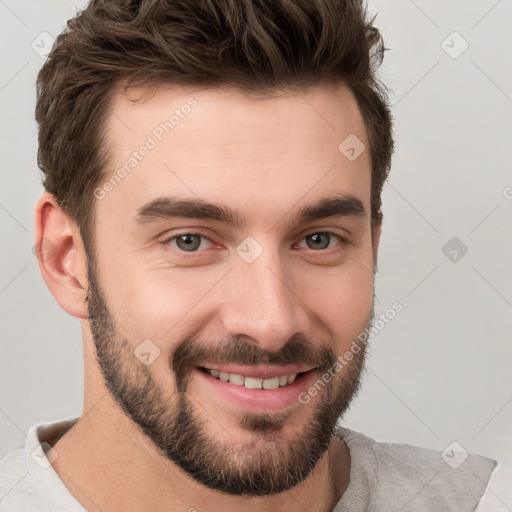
(188, 242)
(321, 240)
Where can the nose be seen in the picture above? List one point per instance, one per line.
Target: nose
(261, 300)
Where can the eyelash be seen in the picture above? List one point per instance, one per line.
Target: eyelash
(166, 242)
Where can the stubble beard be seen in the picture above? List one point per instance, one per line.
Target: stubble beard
(269, 464)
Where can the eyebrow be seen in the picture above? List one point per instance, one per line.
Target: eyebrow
(163, 208)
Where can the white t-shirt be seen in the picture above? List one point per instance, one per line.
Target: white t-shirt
(384, 477)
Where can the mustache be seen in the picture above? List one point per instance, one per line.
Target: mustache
(299, 349)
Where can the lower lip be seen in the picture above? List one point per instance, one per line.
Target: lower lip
(259, 400)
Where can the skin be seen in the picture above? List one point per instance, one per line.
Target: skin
(265, 158)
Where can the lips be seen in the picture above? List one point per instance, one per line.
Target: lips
(253, 397)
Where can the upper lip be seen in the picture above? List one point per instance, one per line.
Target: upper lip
(263, 371)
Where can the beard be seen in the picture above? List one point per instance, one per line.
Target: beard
(269, 463)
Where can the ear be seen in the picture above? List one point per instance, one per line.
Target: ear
(376, 232)
(61, 256)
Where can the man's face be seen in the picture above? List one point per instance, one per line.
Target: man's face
(279, 287)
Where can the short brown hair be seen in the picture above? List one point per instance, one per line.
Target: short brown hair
(257, 46)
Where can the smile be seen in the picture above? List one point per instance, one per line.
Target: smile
(252, 382)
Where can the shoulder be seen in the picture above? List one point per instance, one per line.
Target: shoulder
(28, 483)
(415, 478)
(17, 490)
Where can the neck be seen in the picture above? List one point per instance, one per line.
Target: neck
(108, 464)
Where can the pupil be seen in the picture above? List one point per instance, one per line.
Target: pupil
(188, 242)
(317, 238)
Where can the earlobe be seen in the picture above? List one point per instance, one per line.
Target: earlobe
(61, 256)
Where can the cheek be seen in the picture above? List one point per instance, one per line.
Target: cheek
(341, 297)
(164, 303)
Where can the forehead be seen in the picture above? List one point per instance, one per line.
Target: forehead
(255, 153)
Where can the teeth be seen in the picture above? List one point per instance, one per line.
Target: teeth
(271, 383)
(251, 382)
(234, 378)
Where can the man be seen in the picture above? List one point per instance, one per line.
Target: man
(212, 214)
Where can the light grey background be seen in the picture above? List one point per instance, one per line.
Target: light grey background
(441, 370)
